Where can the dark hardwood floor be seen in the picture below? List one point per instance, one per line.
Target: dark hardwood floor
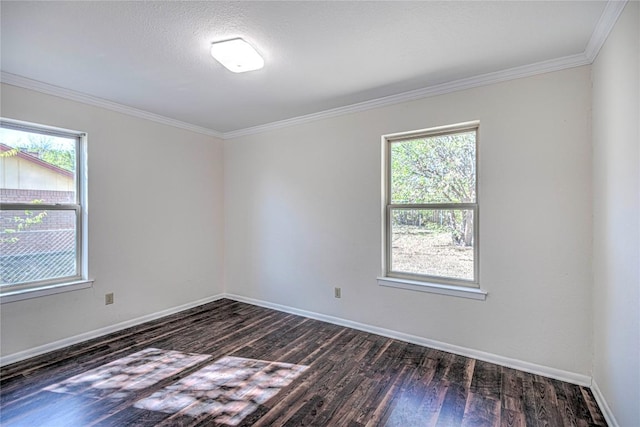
(229, 363)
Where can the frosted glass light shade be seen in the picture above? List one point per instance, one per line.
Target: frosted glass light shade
(237, 55)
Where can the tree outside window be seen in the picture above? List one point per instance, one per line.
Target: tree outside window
(431, 209)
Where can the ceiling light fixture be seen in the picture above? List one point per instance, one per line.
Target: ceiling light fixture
(237, 55)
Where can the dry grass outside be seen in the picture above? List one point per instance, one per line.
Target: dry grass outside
(421, 251)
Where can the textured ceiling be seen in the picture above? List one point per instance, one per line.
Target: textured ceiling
(154, 56)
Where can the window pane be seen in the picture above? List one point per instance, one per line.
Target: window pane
(37, 245)
(36, 168)
(433, 242)
(435, 169)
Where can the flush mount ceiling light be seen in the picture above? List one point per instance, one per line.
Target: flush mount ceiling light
(237, 55)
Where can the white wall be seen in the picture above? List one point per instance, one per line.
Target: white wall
(155, 221)
(302, 210)
(302, 215)
(616, 210)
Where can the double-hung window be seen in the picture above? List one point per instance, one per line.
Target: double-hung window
(431, 207)
(42, 208)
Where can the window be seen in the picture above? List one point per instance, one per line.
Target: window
(42, 209)
(431, 206)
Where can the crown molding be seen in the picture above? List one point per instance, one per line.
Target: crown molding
(440, 89)
(608, 19)
(23, 82)
(605, 24)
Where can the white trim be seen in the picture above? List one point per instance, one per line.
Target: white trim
(559, 374)
(80, 280)
(603, 27)
(26, 83)
(56, 345)
(434, 288)
(605, 24)
(42, 291)
(533, 368)
(440, 89)
(608, 19)
(604, 407)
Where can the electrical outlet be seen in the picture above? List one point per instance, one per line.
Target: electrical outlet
(108, 299)
(337, 292)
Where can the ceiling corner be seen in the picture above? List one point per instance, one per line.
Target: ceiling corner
(608, 19)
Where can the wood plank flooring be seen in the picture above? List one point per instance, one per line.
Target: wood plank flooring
(327, 376)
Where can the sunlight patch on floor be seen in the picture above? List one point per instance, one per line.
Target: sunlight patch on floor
(229, 389)
(124, 376)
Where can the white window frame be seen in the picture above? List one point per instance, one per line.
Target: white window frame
(20, 291)
(420, 282)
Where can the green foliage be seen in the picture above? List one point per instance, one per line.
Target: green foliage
(43, 146)
(9, 239)
(62, 159)
(9, 153)
(438, 169)
(23, 223)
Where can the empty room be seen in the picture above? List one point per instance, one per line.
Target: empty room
(331, 213)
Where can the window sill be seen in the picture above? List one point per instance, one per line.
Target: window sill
(42, 291)
(434, 288)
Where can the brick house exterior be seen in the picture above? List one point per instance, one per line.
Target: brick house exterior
(25, 178)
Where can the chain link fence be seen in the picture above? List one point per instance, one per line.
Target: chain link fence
(30, 256)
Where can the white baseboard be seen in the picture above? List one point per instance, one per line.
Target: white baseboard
(56, 345)
(533, 368)
(559, 374)
(604, 407)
